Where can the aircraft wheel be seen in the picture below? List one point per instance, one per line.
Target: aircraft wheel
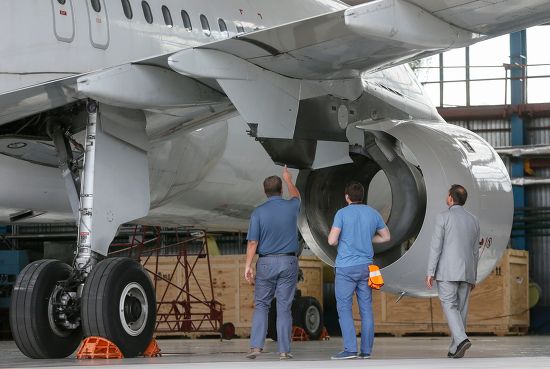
(308, 315)
(35, 326)
(118, 303)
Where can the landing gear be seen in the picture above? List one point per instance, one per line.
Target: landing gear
(54, 304)
(118, 303)
(306, 314)
(44, 320)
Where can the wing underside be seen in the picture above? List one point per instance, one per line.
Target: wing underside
(335, 46)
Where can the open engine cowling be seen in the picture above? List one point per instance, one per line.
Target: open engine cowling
(421, 160)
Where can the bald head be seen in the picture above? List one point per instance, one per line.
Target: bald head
(458, 194)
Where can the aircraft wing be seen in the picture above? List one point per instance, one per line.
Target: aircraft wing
(35, 99)
(147, 84)
(266, 74)
(377, 34)
(334, 46)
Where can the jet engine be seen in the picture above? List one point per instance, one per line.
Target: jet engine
(420, 161)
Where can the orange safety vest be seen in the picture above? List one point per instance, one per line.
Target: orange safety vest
(376, 281)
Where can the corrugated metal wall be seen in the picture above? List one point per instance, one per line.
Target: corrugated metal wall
(497, 133)
(538, 132)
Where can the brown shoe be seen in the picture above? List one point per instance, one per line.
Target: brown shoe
(254, 352)
(285, 356)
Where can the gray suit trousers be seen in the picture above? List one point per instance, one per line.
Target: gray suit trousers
(454, 297)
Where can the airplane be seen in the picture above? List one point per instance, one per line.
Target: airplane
(172, 112)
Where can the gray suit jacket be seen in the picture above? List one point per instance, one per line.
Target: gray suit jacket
(454, 250)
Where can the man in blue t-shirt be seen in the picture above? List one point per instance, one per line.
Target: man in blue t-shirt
(356, 227)
(273, 234)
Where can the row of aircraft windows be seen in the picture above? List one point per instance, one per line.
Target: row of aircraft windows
(184, 17)
(148, 14)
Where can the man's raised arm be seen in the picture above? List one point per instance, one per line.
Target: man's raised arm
(292, 189)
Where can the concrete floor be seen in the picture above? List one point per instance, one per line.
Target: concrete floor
(406, 352)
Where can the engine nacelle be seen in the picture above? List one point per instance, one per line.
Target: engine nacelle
(421, 161)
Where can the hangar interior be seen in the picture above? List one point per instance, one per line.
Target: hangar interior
(497, 89)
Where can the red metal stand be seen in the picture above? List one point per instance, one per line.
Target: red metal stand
(186, 304)
(299, 334)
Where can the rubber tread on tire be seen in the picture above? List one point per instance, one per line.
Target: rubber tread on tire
(100, 304)
(29, 321)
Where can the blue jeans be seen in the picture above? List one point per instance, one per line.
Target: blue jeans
(349, 280)
(276, 276)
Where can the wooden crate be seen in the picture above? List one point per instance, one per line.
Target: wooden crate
(499, 305)
(232, 290)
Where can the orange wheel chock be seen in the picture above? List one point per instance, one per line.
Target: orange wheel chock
(324, 335)
(98, 348)
(299, 334)
(153, 350)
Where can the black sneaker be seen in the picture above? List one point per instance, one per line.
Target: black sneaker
(363, 356)
(449, 355)
(461, 349)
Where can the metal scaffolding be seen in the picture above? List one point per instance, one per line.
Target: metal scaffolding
(185, 301)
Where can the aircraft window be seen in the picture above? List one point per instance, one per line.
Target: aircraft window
(96, 5)
(205, 25)
(240, 28)
(223, 27)
(147, 12)
(127, 9)
(186, 20)
(167, 16)
(62, 2)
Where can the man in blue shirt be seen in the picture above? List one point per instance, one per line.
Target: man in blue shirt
(273, 234)
(356, 227)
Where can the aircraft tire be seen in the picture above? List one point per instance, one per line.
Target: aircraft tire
(32, 326)
(118, 303)
(308, 314)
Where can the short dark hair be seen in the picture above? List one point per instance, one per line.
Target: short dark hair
(355, 191)
(273, 186)
(458, 194)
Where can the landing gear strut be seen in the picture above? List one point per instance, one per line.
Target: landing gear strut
(54, 304)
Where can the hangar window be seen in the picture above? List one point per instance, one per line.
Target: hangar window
(186, 20)
(127, 9)
(147, 12)
(167, 16)
(62, 2)
(205, 25)
(223, 27)
(240, 28)
(96, 5)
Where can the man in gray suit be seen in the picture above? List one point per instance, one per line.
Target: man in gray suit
(453, 259)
